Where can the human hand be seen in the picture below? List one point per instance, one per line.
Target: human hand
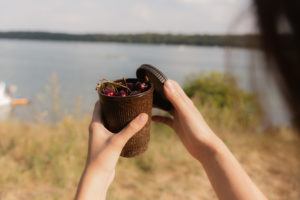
(188, 123)
(226, 175)
(103, 153)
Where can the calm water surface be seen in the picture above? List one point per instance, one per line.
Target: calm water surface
(79, 65)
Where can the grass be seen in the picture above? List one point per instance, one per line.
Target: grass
(41, 161)
(45, 161)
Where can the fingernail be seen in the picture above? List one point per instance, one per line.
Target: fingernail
(142, 118)
(169, 84)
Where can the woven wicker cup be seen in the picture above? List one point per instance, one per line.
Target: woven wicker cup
(117, 112)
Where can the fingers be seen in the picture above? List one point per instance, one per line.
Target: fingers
(182, 93)
(132, 128)
(165, 120)
(176, 95)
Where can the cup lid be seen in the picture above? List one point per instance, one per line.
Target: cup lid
(150, 73)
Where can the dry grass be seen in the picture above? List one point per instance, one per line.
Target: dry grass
(40, 161)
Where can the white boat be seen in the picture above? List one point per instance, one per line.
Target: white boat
(7, 102)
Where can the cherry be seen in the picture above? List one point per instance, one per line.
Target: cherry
(123, 89)
(141, 86)
(108, 92)
(122, 93)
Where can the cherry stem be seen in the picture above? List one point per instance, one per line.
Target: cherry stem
(104, 83)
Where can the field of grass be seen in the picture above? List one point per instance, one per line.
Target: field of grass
(40, 161)
(45, 161)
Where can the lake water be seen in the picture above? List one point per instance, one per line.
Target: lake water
(78, 66)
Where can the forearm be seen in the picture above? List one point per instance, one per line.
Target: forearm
(94, 184)
(227, 176)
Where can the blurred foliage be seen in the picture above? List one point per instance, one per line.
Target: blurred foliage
(42, 161)
(223, 102)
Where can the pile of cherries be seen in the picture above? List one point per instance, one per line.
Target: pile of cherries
(121, 88)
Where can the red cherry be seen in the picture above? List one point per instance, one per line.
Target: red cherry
(141, 86)
(144, 86)
(108, 92)
(122, 93)
(111, 94)
(137, 85)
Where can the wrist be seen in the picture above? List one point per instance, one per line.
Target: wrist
(98, 172)
(94, 184)
(211, 149)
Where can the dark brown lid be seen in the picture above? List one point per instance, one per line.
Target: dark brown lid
(149, 73)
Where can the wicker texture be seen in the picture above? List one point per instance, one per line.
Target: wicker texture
(117, 112)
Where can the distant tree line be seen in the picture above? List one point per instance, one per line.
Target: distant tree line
(248, 40)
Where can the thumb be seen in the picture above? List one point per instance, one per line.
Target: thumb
(132, 128)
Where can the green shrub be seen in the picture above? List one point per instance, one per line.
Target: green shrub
(223, 102)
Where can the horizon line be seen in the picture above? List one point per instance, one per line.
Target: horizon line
(124, 33)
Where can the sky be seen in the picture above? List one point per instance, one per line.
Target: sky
(128, 16)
